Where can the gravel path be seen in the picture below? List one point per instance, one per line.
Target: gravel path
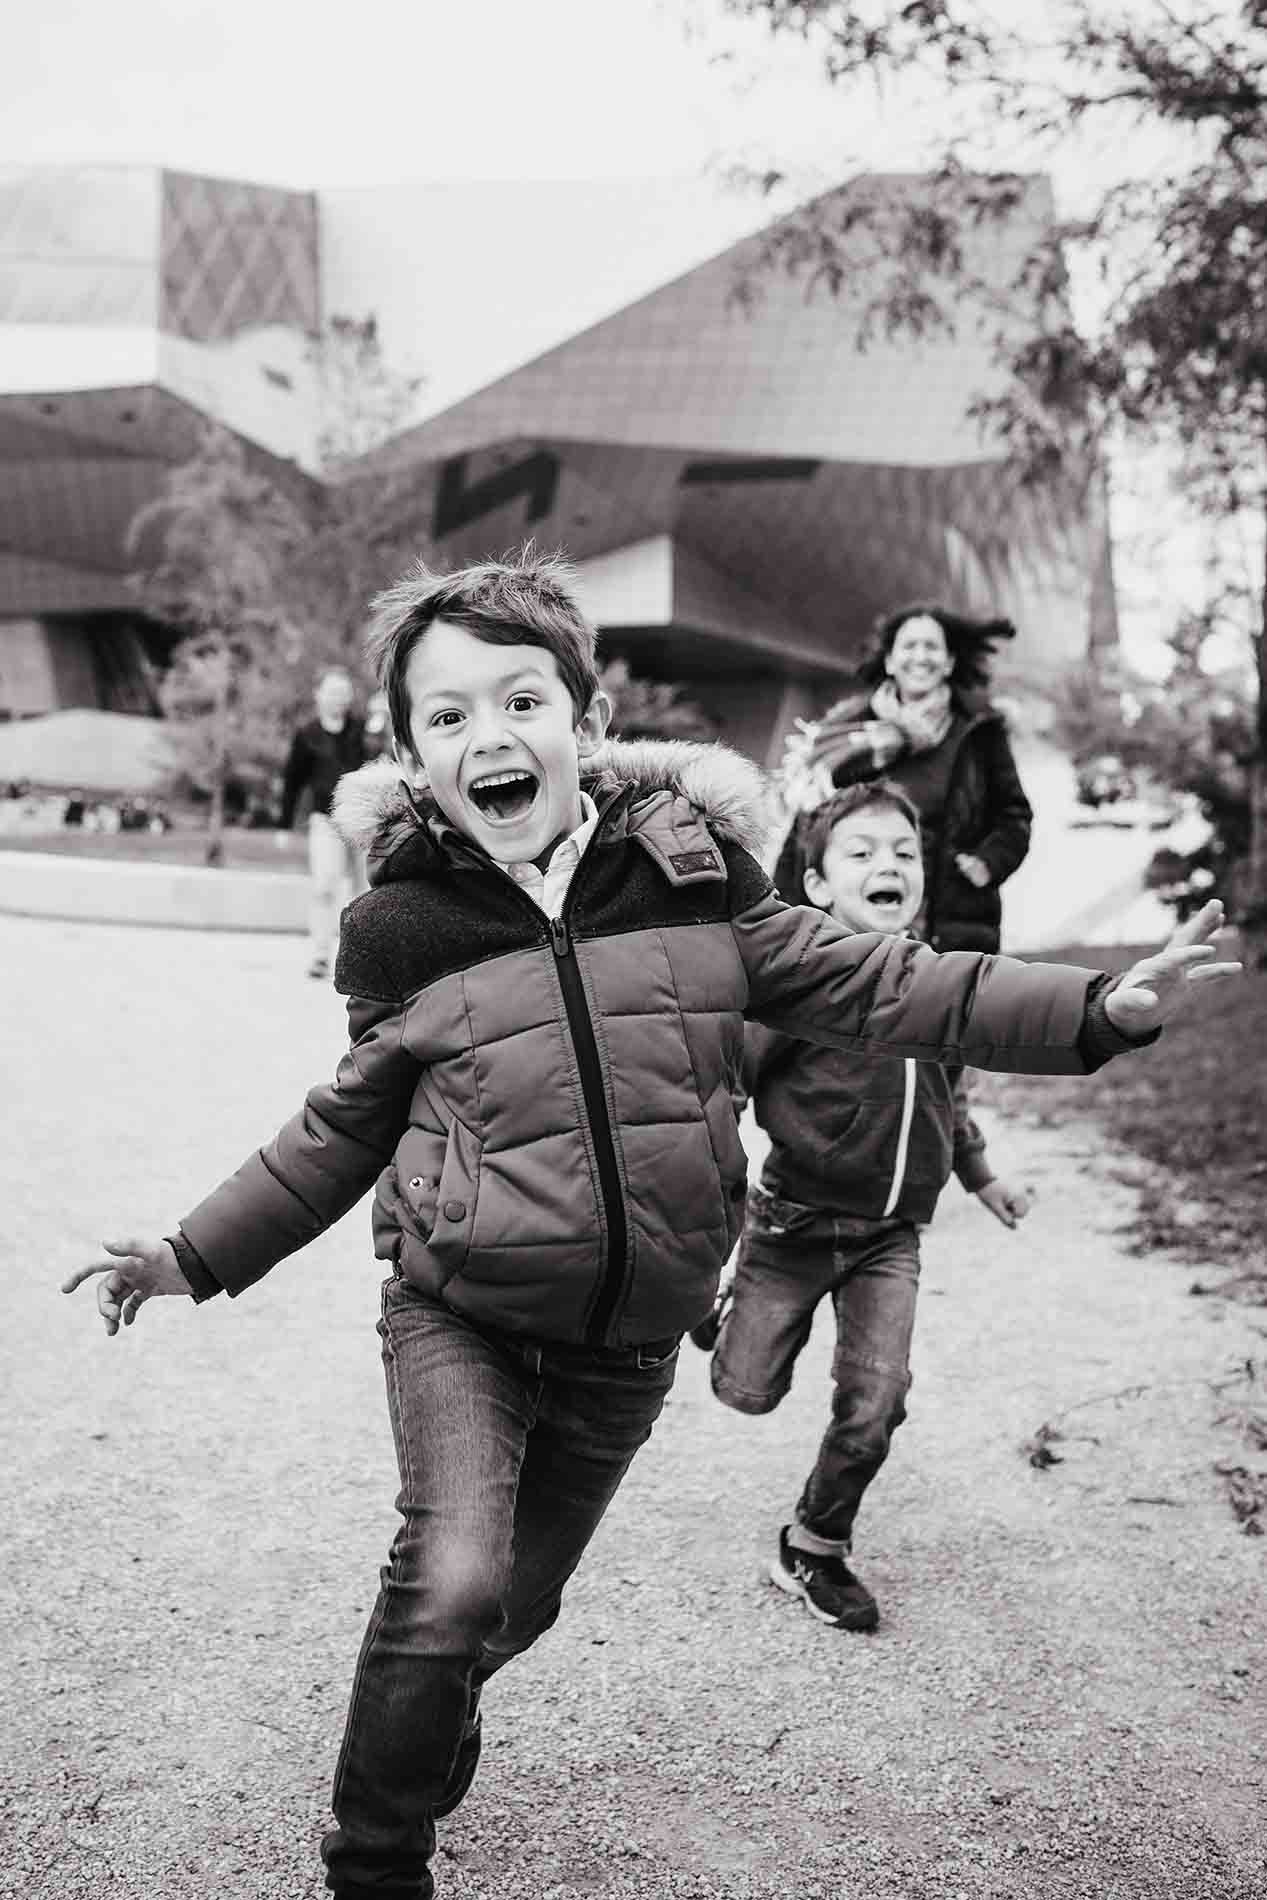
(1065, 1696)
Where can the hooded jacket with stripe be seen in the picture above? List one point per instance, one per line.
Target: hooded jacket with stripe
(872, 1137)
(547, 1113)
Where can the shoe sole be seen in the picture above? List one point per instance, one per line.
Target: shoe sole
(860, 1620)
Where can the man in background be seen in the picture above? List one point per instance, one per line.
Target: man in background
(320, 753)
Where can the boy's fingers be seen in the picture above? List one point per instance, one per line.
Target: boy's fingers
(1210, 972)
(1176, 956)
(1202, 923)
(81, 1274)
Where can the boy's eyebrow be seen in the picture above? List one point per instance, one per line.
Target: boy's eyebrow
(847, 829)
(529, 670)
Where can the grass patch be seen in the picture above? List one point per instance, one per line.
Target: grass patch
(1193, 1109)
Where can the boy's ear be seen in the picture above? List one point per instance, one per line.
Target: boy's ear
(409, 766)
(591, 727)
(816, 888)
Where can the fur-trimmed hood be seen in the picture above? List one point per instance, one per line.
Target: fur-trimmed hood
(377, 811)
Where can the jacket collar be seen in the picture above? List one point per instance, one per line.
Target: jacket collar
(655, 789)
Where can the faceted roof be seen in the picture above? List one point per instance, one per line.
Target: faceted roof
(816, 484)
(592, 378)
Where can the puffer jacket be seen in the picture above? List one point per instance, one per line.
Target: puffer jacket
(874, 1137)
(986, 815)
(547, 1111)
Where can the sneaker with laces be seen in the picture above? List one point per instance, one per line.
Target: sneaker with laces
(826, 1585)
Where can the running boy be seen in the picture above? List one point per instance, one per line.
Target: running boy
(547, 984)
(861, 1146)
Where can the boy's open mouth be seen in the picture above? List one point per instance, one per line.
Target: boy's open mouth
(887, 897)
(503, 796)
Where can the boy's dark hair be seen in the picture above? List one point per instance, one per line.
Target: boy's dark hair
(970, 643)
(525, 600)
(875, 794)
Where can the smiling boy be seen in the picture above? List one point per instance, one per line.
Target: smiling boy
(547, 985)
(861, 1147)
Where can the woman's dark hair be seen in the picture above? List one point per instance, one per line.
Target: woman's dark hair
(970, 643)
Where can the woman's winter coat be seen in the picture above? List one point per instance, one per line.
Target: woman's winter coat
(546, 1111)
(985, 815)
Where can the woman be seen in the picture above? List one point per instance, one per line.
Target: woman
(920, 717)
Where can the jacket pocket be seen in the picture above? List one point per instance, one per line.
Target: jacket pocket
(774, 1214)
(438, 1176)
(449, 1242)
(419, 1165)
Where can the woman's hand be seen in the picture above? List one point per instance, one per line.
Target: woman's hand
(974, 869)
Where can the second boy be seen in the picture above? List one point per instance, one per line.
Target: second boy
(861, 1146)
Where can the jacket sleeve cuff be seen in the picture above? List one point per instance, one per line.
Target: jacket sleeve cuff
(972, 1170)
(1098, 1040)
(202, 1281)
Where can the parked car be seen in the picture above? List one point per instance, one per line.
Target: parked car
(1104, 780)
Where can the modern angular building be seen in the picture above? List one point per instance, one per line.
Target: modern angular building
(744, 490)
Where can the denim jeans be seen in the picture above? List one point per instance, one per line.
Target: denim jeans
(790, 1258)
(509, 1452)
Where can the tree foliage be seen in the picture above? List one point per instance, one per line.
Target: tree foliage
(1192, 732)
(1169, 347)
(652, 709)
(268, 583)
(212, 552)
(362, 519)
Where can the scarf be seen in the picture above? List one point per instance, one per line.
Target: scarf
(889, 729)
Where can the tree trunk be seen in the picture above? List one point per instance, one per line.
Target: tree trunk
(214, 854)
(1253, 906)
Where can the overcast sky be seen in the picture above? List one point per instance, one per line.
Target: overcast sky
(284, 92)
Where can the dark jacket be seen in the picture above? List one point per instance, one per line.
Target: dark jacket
(547, 1112)
(985, 814)
(316, 762)
(875, 1137)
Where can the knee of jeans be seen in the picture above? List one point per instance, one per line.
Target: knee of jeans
(739, 1398)
(867, 1389)
(452, 1587)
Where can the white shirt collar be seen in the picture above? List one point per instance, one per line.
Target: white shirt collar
(548, 888)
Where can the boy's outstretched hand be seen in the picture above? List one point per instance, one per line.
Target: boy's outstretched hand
(1152, 990)
(1006, 1202)
(136, 1272)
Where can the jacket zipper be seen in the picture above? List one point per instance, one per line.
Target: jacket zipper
(903, 1136)
(590, 1069)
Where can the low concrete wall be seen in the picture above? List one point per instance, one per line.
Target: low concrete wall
(176, 896)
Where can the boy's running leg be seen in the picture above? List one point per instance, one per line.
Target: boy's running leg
(327, 856)
(461, 1412)
(596, 1410)
(875, 1319)
(787, 1262)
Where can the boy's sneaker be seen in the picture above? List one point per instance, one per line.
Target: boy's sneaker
(826, 1586)
(705, 1334)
